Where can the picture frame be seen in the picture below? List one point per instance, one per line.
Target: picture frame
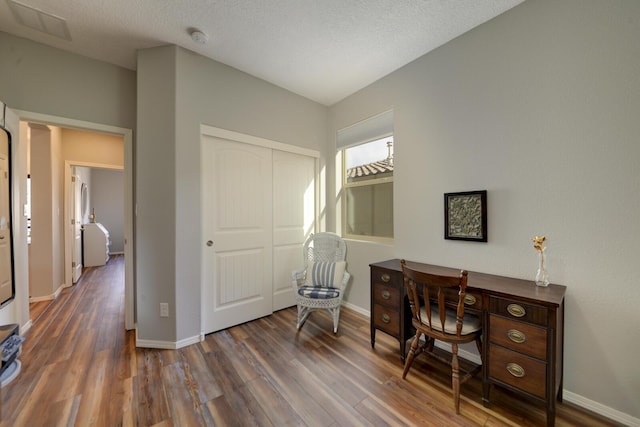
(465, 216)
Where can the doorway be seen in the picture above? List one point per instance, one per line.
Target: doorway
(127, 136)
(94, 194)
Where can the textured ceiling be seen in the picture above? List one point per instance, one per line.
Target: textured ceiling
(324, 50)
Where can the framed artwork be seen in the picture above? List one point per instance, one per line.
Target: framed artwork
(465, 216)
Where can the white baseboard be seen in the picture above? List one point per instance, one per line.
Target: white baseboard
(47, 297)
(464, 354)
(600, 409)
(567, 396)
(26, 327)
(167, 345)
(357, 309)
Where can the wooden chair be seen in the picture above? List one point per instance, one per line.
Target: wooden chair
(322, 282)
(434, 317)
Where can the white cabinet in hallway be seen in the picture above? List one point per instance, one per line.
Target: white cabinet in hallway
(96, 244)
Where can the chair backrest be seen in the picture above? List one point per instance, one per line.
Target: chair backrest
(325, 247)
(431, 291)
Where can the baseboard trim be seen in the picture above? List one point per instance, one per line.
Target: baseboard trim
(47, 297)
(167, 345)
(567, 396)
(26, 327)
(600, 409)
(464, 354)
(357, 309)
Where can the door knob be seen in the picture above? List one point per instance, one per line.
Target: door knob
(209, 242)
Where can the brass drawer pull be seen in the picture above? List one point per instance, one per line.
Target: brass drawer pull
(385, 277)
(516, 310)
(515, 370)
(516, 336)
(469, 299)
(386, 318)
(386, 294)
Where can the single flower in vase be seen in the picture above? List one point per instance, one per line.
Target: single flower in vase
(542, 278)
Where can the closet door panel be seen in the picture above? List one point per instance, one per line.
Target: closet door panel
(294, 212)
(237, 241)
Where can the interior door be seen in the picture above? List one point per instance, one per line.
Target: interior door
(76, 224)
(237, 226)
(6, 269)
(294, 212)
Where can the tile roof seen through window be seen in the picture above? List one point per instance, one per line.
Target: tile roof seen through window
(371, 169)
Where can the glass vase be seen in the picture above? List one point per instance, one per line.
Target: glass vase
(542, 277)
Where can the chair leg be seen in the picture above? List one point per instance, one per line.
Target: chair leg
(411, 355)
(336, 319)
(303, 313)
(455, 376)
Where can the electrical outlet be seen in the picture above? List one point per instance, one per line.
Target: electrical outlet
(164, 309)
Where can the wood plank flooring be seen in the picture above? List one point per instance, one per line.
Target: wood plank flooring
(80, 367)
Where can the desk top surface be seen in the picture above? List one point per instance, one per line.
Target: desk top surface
(552, 295)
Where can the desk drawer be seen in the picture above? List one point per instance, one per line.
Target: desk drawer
(517, 370)
(519, 311)
(522, 337)
(471, 299)
(386, 294)
(386, 319)
(386, 277)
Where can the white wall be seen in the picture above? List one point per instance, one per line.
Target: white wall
(45, 252)
(539, 107)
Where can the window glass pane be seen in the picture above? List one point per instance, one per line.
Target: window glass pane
(369, 210)
(371, 160)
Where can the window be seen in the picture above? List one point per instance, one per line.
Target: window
(368, 189)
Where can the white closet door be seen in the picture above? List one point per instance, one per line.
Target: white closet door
(293, 219)
(237, 226)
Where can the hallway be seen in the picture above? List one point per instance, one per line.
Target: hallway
(82, 349)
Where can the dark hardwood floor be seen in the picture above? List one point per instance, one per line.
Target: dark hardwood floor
(80, 367)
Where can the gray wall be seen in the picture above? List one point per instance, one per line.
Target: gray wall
(540, 107)
(40, 79)
(177, 91)
(107, 198)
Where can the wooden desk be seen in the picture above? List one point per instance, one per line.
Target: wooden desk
(523, 328)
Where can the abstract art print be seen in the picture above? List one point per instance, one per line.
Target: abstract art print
(465, 216)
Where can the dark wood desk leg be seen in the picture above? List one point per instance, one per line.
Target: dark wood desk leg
(485, 393)
(486, 386)
(373, 336)
(551, 413)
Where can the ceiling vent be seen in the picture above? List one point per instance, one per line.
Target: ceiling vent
(38, 20)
